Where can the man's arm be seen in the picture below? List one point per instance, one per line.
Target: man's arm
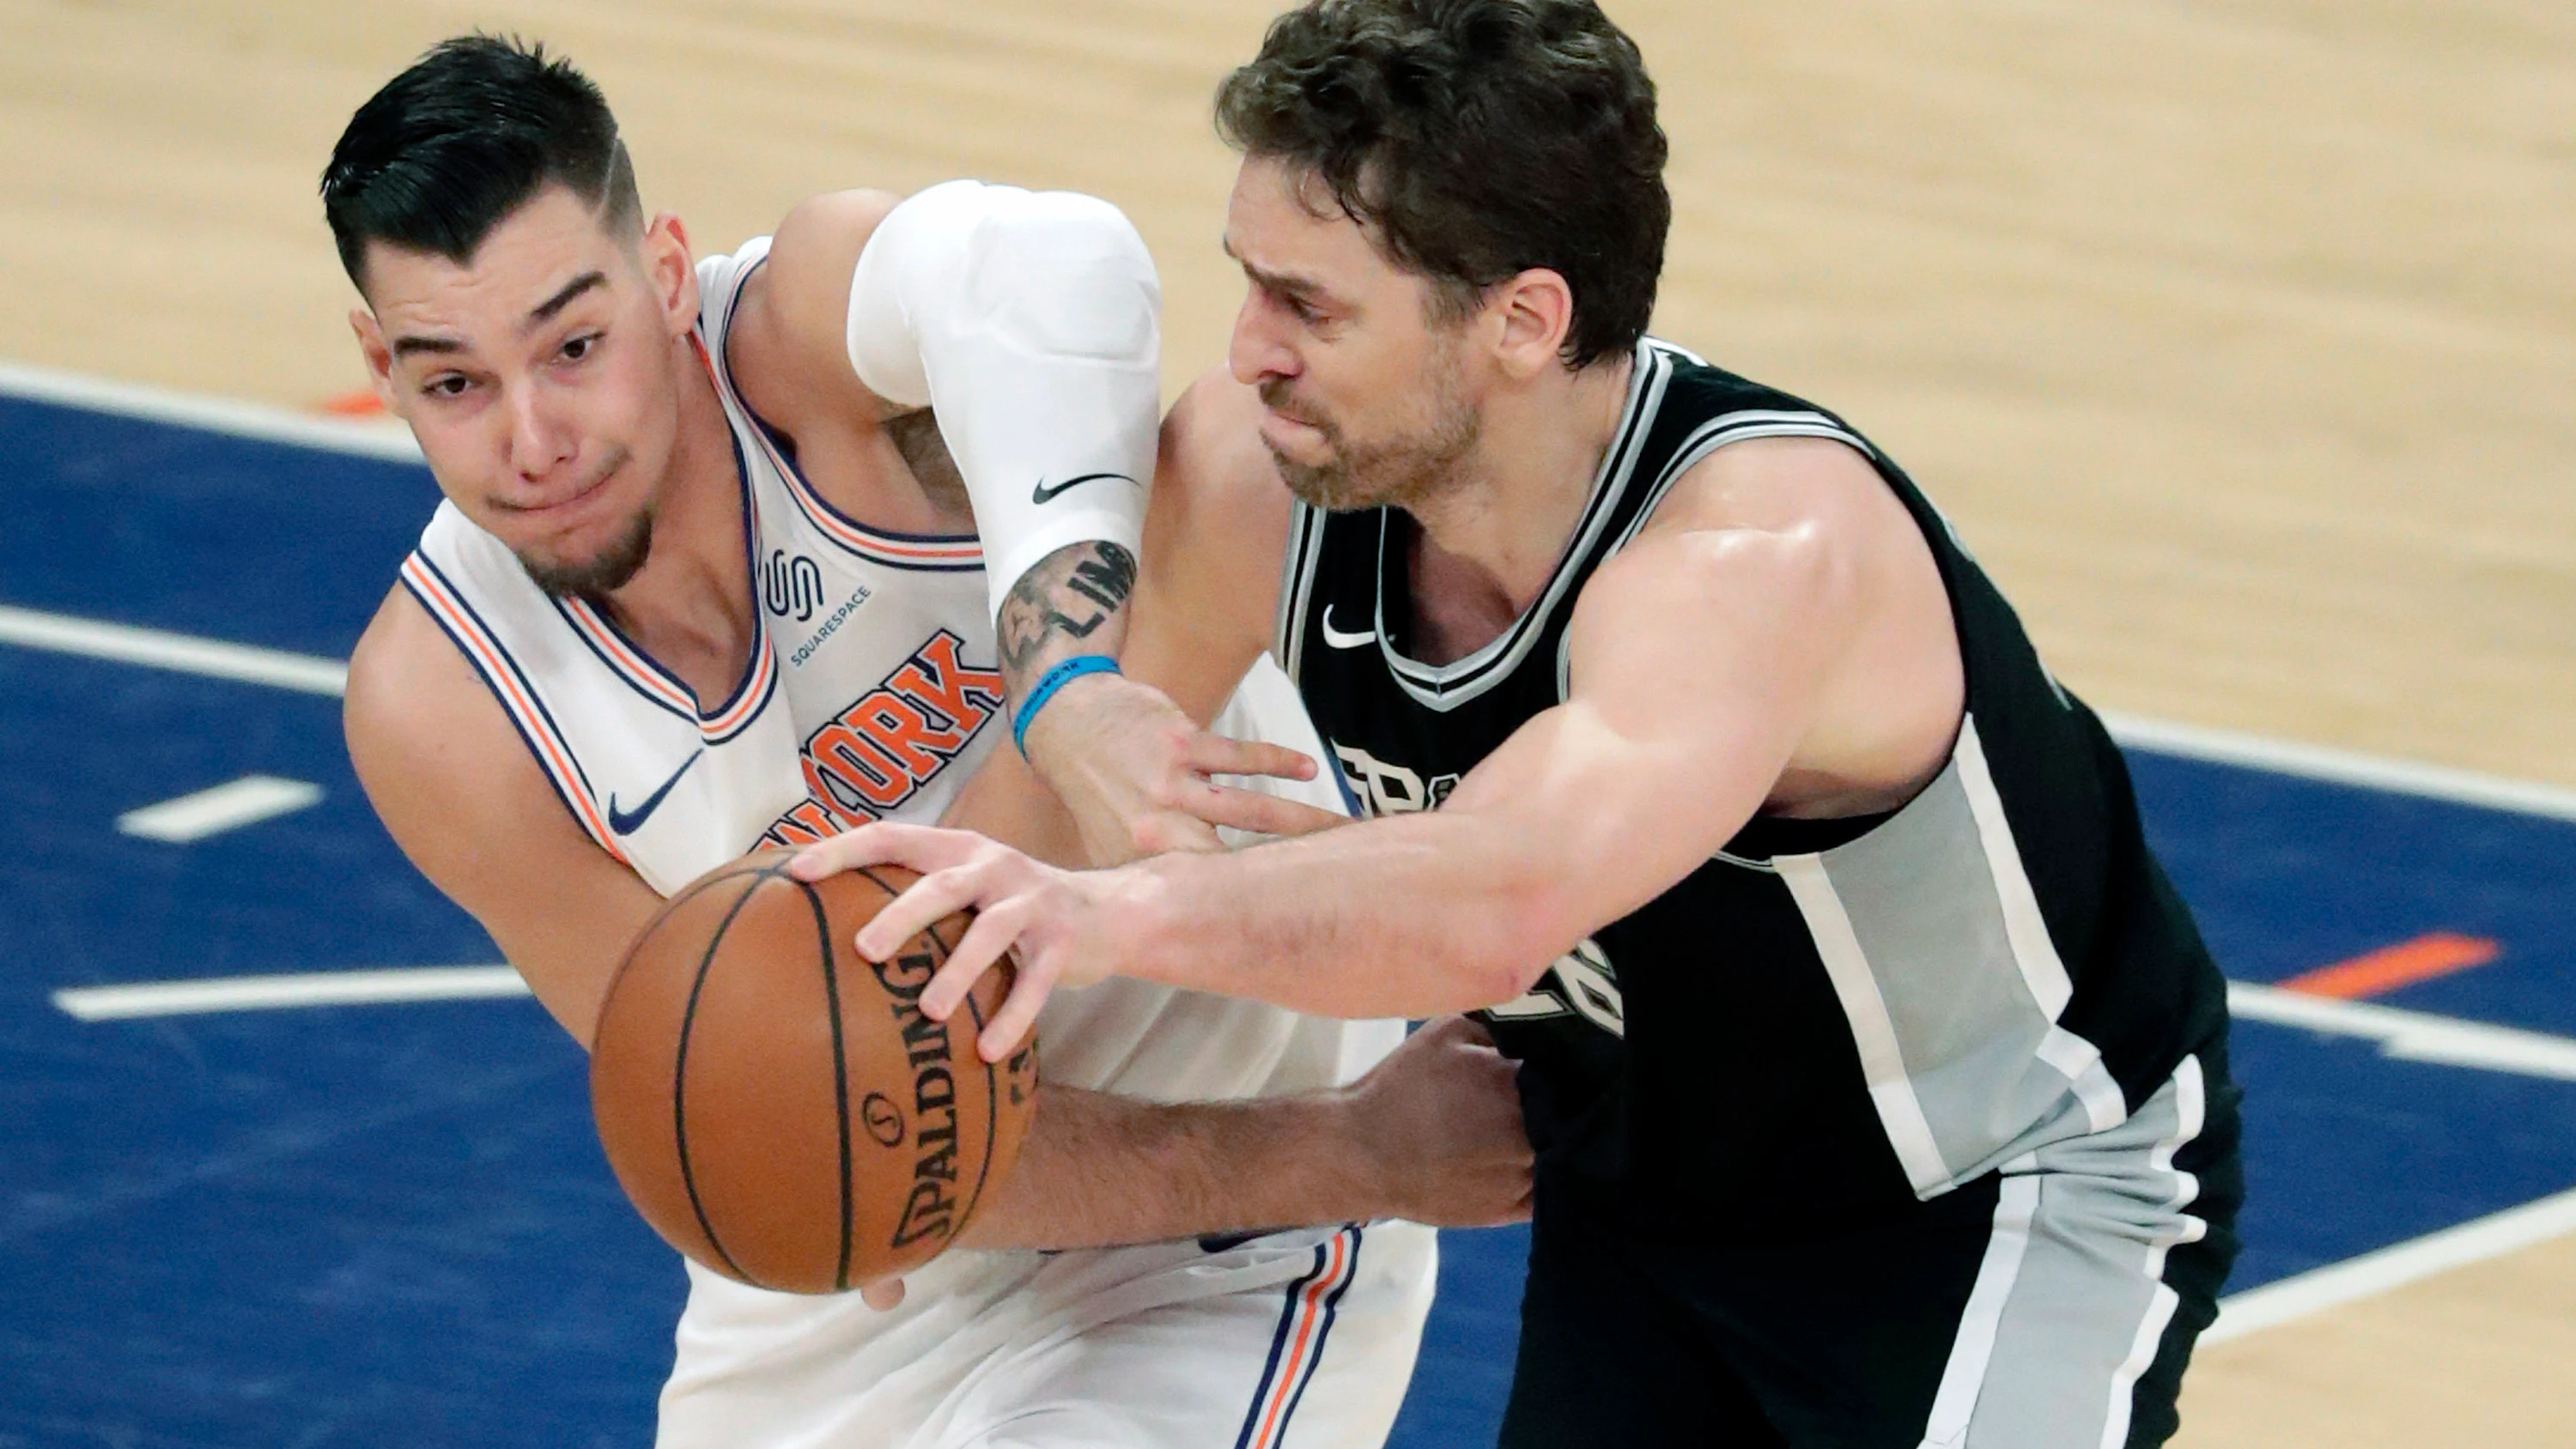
(1703, 658)
(1207, 589)
(1433, 1134)
(1216, 540)
(1026, 322)
(458, 791)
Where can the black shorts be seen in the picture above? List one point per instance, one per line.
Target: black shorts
(2053, 1303)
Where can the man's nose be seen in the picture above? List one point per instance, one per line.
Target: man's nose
(1257, 350)
(540, 441)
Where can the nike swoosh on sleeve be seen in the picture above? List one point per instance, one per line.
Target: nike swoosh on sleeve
(1042, 493)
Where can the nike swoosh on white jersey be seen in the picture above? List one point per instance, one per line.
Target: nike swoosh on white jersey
(1339, 640)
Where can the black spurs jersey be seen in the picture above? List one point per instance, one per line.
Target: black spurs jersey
(1829, 1017)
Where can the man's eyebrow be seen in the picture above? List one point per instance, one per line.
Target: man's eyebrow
(1303, 289)
(560, 300)
(402, 347)
(406, 346)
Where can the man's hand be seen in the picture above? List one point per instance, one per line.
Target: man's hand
(1049, 919)
(1441, 1119)
(1136, 773)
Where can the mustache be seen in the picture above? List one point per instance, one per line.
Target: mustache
(1276, 396)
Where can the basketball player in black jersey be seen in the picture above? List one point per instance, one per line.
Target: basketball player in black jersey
(1877, 1076)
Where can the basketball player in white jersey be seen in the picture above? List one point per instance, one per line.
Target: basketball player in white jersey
(720, 565)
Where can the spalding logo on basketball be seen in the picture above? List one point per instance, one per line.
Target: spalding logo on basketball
(777, 1106)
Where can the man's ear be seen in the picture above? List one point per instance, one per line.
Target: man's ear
(674, 272)
(1530, 314)
(378, 358)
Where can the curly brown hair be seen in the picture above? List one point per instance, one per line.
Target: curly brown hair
(1475, 139)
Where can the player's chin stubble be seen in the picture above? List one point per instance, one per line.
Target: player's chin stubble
(604, 571)
(1389, 474)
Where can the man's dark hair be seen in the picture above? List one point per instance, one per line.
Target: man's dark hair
(463, 138)
(1475, 139)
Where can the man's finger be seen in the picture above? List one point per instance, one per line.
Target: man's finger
(1214, 754)
(1262, 814)
(924, 848)
(883, 1295)
(974, 954)
(1019, 1012)
(932, 899)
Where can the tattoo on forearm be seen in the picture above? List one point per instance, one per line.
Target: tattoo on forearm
(1066, 598)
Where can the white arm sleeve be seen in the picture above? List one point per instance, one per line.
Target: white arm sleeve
(1028, 322)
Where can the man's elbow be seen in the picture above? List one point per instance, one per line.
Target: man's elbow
(1527, 924)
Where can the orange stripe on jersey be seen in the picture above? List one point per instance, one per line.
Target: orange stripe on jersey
(640, 671)
(754, 690)
(551, 753)
(1293, 1364)
(628, 660)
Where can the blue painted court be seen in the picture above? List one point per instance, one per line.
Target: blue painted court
(390, 1224)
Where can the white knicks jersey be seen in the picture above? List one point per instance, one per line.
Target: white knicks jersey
(872, 693)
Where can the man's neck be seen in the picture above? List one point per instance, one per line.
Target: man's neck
(690, 607)
(1500, 527)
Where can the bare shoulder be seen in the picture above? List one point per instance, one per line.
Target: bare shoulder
(456, 788)
(1794, 522)
(411, 695)
(787, 345)
(439, 759)
(817, 246)
(1830, 597)
(1781, 484)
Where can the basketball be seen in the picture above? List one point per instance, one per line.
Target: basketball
(777, 1106)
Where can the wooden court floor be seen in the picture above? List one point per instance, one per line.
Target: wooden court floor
(2239, 337)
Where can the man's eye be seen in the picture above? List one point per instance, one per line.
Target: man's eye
(577, 348)
(449, 385)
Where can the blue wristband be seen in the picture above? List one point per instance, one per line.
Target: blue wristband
(1064, 672)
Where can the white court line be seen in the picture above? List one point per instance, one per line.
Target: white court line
(314, 674)
(2343, 767)
(2411, 1036)
(2371, 1274)
(260, 993)
(160, 649)
(218, 415)
(246, 801)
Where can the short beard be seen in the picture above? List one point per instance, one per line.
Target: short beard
(1394, 473)
(603, 572)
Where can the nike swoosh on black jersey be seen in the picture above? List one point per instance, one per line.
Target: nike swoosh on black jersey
(625, 823)
(1042, 493)
(1339, 640)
